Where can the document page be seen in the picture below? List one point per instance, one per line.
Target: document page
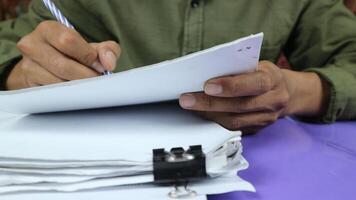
(155, 83)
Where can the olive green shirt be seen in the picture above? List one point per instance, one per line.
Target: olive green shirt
(316, 35)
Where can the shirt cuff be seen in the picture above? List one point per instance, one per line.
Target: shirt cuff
(338, 80)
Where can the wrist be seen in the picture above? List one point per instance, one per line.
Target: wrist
(309, 94)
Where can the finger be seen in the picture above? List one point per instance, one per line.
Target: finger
(29, 74)
(17, 78)
(241, 121)
(108, 52)
(57, 63)
(97, 66)
(250, 84)
(202, 102)
(68, 42)
(39, 76)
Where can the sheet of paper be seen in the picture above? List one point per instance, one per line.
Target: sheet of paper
(10, 183)
(155, 83)
(30, 178)
(103, 170)
(227, 183)
(109, 135)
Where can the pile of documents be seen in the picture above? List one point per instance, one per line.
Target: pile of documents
(108, 152)
(95, 149)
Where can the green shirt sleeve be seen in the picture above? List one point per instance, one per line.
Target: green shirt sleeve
(11, 31)
(324, 41)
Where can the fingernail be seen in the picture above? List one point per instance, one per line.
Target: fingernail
(213, 89)
(111, 59)
(98, 67)
(187, 101)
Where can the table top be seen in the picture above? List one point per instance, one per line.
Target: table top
(294, 160)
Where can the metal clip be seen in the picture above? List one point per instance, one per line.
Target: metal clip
(178, 166)
(179, 155)
(184, 193)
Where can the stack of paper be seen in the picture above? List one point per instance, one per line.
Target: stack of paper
(112, 148)
(95, 149)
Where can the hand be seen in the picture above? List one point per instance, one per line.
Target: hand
(53, 53)
(254, 100)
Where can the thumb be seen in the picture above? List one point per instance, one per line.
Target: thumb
(108, 53)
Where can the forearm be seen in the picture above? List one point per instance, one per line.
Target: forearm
(309, 94)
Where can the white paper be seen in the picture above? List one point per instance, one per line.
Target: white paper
(227, 183)
(217, 164)
(113, 136)
(69, 151)
(79, 186)
(155, 83)
(79, 171)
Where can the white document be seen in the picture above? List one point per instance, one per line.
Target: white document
(224, 184)
(105, 136)
(154, 83)
(94, 149)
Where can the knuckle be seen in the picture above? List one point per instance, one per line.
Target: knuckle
(65, 38)
(238, 106)
(283, 100)
(45, 25)
(48, 26)
(207, 101)
(235, 88)
(114, 46)
(268, 68)
(264, 63)
(54, 61)
(25, 44)
(232, 85)
(285, 97)
(62, 70)
(265, 83)
(58, 68)
(25, 67)
(89, 58)
(251, 102)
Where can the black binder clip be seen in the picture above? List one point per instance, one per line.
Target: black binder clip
(179, 167)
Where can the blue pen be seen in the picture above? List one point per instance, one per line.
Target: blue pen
(62, 19)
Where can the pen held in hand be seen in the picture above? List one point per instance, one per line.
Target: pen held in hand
(63, 20)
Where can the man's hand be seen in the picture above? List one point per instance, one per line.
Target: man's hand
(53, 53)
(251, 101)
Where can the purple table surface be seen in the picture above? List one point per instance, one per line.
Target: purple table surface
(298, 161)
